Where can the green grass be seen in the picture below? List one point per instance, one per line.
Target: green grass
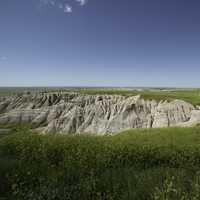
(136, 164)
(192, 96)
(4, 94)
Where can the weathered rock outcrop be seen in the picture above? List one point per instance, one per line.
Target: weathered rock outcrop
(100, 114)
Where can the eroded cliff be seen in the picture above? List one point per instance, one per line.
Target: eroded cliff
(99, 114)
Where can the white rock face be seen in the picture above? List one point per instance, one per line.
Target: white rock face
(169, 114)
(98, 114)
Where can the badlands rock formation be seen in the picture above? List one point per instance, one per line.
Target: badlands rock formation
(99, 114)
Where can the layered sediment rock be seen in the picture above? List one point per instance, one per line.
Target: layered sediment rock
(100, 114)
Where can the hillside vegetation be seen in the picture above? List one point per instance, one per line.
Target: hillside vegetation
(136, 164)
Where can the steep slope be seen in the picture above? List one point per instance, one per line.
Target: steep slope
(100, 114)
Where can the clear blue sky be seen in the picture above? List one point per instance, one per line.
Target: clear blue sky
(100, 43)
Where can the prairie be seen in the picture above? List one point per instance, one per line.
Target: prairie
(136, 164)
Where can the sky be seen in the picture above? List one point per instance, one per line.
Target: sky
(150, 43)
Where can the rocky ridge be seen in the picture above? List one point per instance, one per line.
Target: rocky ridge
(99, 114)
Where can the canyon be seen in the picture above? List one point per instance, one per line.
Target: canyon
(75, 113)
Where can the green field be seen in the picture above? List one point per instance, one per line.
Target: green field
(136, 164)
(192, 96)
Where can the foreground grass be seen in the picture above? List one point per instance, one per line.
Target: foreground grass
(136, 164)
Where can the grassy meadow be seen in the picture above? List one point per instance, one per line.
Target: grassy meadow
(192, 95)
(136, 164)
